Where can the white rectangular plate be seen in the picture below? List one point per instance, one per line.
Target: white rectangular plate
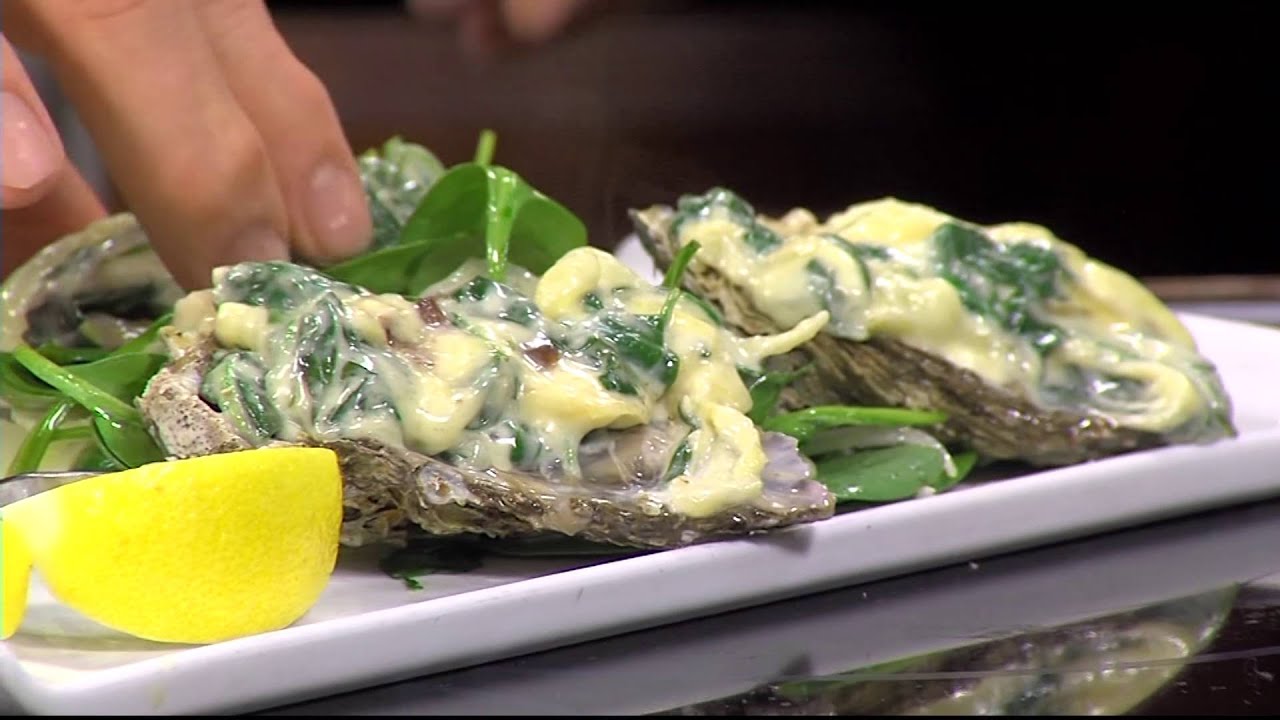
(369, 628)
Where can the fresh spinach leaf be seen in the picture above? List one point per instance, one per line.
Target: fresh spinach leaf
(881, 474)
(424, 557)
(34, 446)
(802, 424)
(473, 211)
(96, 458)
(395, 177)
(143, 342)
(122, 375)
(129, 445)
(106, 388)
(485, 148)
(72, 355)
(678, 265)
(494, 214)
(79, 388)
(393, 269)
(964, 463)
(766, 389)
(22, 390)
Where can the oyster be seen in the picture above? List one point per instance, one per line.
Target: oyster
(1035, 351)
(102, 286)
(503, 409)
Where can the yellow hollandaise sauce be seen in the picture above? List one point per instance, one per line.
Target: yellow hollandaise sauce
(1013, 303)
(509, 376)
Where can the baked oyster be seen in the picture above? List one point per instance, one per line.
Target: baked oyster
(1034, 351)
(500, 409)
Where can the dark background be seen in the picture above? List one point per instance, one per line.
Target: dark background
(1144, 136)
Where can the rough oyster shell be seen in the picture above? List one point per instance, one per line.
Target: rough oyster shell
(388, 489)
(80, 275)
(997, 423)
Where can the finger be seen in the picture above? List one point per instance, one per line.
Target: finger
(31, 154)
(328, 213)
(186, 158)
(480, 30)
(536, 22)
(43, 196)
(67, 207)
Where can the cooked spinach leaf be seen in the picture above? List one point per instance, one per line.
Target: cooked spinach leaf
(236, 387)
(627, 345)
(1003, 283)
(738, 211)
(766, 388)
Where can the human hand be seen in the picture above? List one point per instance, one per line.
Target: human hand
(225, 146)
(487, 26)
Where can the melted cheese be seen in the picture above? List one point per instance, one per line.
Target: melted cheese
(1113, 326)
(510, 380)
(241, 326)
(726, 466)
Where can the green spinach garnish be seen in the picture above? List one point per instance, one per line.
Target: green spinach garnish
(475, 210)
(766, 389)
(236, 387)
(699, 207)
(1003, 283)
(803, 424)
(104, 388)
(887, 474)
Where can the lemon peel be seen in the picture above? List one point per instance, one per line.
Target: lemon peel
(193, 551)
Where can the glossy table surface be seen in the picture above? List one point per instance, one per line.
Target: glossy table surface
(1178, 617)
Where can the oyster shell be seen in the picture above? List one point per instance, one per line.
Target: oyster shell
(104, 284)
(1000, 423)
(390, 490)
(109, 272)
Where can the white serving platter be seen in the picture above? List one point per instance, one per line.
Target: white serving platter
(370, 629)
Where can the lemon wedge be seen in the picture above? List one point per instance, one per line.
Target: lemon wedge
(188, 551)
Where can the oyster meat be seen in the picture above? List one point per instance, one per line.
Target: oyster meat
(580, 402)
(1035, 351)
(100, 287)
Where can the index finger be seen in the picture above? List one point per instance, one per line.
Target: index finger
(186, 158)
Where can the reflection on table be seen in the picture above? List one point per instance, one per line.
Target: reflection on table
(1167, 618)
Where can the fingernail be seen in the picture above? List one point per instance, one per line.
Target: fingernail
(337, 213)
(30, 155)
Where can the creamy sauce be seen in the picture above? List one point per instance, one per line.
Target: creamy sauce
(1013, 303)
(510, 376)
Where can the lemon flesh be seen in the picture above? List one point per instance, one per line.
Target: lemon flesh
(189, 551)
